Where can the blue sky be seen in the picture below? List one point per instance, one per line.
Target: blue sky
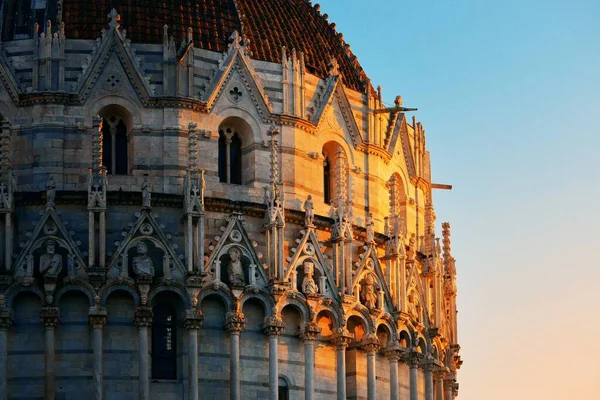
(509, 94)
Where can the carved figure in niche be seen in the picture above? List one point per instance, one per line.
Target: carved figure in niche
(234, 269)
(142, 263)
(309, 214)
(50, 192)
(309, 286)
(370, 225)
(146, 196)
(367, 294)
(413, 307)
(51, 263)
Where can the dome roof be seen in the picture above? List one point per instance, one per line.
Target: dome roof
(269, 25)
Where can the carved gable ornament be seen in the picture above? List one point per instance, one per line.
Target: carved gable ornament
(369, 266)
(146, 252)
(233, 259)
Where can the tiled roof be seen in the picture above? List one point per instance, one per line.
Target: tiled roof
(269, 24)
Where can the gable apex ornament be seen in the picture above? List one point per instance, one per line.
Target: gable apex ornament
(114, 18)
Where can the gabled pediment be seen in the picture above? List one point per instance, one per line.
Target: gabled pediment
(113, 51)
(50, 250)
(146, 250)
(232, 246)
(237, 80)
(307, 254)
(369, 265)
(332, 110)
(8, 79)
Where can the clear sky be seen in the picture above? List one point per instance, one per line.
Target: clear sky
(509, 94)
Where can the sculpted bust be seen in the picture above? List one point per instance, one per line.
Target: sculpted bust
(309, 285)
(50, 263)
(142, 263)
(234, 269)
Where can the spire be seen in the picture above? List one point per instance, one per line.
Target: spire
(274, 192)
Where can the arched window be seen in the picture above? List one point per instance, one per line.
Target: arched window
(164, 342)
(283, 389)
(232, 134)
(326, 180)
(332, 154)
(114, 146)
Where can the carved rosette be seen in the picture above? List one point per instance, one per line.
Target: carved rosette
(235, 322)
(193, 319)
(273, 326)
(143, 316)
(50, 317)
(310, 332)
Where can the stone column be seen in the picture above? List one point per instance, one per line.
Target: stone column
(235, 324)
(393, 356)
(5, 323)
(371, 346)
(309, 336)
(102, 239)
(428, 367)
(448, 387)
(413, 362)
(143, 320)
(192, 323)
(49, 316)
(98, 321)
(341, 341)
(273, 328)
(439, 384)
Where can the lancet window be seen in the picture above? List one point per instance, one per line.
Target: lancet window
(234, 167)
(114, 145)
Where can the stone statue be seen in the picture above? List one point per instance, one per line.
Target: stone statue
(234, 269)
(367, 294)
(309, 286)
(370, 225)
(146, 196)
(50, 192)
(142, 263)
(413, 307)
(309, 214)
(50, 263)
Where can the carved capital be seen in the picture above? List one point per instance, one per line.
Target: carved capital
(370, 344)
(273, 326)
(236, 322)
(310, 332)
(6, 318)
(413, 358)
(193, 319)
(143, 316)
(50, 316)
(341, 339)
(97, 321)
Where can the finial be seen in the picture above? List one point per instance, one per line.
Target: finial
(114, 19)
